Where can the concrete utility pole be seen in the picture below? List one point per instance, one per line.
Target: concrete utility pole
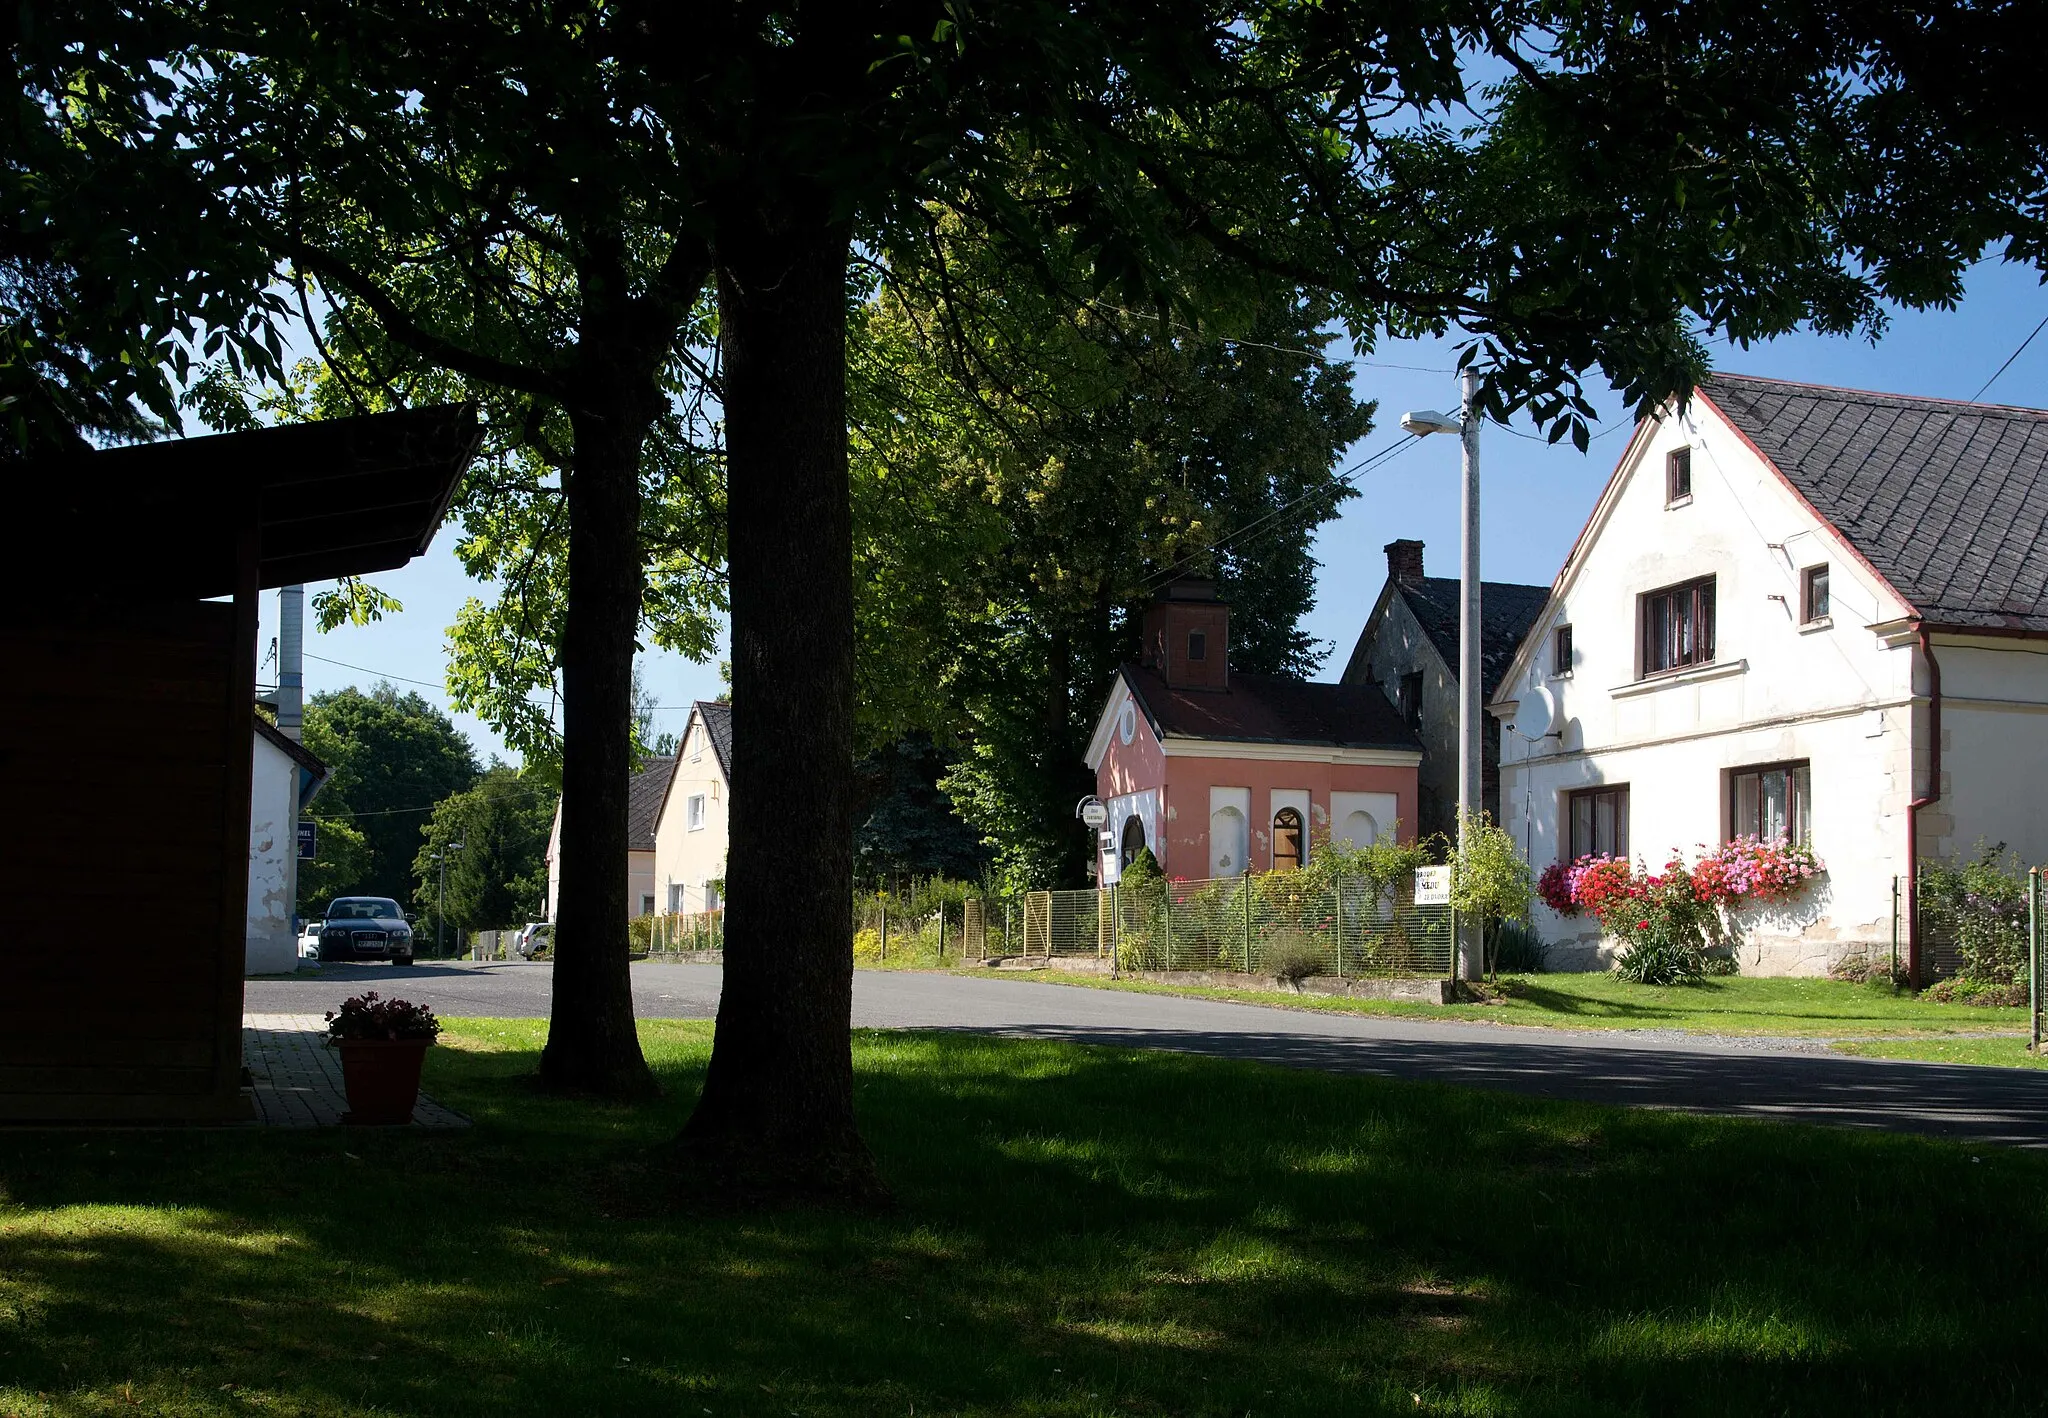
(1470, 712)
(441, 897)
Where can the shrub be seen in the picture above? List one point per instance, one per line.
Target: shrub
(1517, 948)
(1664, 927)
(365, 1016)
(1292, 956)
(1984, 993)
(1982, 905)
(867, 945)
(640, 934)
(1651, 959)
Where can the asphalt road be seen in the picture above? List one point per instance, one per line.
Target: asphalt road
(1783, 1080)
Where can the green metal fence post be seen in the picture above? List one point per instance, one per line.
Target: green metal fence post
(1167, 931)
(1895, 934)
(2034, 952)
(1337, 924)
(883, 901)
(1247, 890)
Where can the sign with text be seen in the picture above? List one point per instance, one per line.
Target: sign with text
(309, 841)
(1432, 886)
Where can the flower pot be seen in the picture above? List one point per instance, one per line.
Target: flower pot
(383, 1079)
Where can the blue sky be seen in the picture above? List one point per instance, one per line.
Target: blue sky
(1534, 496)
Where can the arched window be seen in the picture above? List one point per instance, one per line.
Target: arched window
(1287, 839)
(1133, 840)
(1227, 842)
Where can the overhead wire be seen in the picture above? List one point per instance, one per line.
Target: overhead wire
(2009, 359)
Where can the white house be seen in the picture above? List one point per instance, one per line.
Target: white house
(690, 818)
(1795, 610)
(643, 800)
(283, 779)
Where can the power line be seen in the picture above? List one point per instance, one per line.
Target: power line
(1348, 476)
(366, 670)
(2010, 358)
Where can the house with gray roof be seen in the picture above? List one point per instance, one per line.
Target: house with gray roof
(1408, 650)
(1800, 613)
(643, 804)
(689, 816)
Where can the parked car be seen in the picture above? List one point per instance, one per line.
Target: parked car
(366, 928)
(533, 938)
(309, 940)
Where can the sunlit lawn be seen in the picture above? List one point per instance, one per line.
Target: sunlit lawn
(1998, 1053)
(1591, 1000)
(1080, 1231)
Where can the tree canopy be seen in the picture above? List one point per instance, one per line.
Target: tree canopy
(498, 877)
(391, 759)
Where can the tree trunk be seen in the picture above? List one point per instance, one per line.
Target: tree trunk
(776, 1115)
(592, 1044)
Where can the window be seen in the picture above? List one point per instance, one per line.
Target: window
(1596, 822)
(1813, 594)
(696, 817)
(1677, 476)
(1678, 626)
(1409, 699)
(696, 747)
(1198, 645)
(1287, 854)
(675, 899)
(1561, 650)
(1771, 801)
(712, 900)
(647, 904)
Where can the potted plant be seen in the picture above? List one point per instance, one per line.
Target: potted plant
(383, 1045)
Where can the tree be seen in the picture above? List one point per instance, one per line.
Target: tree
(1639, 176)
(499, 877)
(1020, 500)
(341, 860)
(391, 759)
(908, 825)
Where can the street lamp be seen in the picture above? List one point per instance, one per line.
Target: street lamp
(1421, 423)
(441, 898)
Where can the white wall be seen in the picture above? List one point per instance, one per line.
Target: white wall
(1994, 723)
(1840, 696)
(684, 860)
(270, 946)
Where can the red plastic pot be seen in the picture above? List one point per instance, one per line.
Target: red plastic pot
(383, 1079)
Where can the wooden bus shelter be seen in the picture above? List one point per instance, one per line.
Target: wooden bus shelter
(128, 612)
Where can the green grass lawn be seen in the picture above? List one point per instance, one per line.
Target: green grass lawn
(1081, 1231)
(1736, 1005)
(1999, 1053)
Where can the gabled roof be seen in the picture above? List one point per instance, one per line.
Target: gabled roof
(718, 726)
(643, 802)
(1506, 611)
(1272, 709)
(290, 747)
(1946, 500)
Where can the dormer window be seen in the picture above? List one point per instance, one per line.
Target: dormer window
(1678, 477)
(1198, 645)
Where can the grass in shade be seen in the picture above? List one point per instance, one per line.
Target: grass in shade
(1080, 1231)
(1735, 1005)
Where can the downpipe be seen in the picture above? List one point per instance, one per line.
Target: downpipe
(1927, 799)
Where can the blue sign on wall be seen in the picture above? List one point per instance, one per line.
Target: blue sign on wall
(308, 841)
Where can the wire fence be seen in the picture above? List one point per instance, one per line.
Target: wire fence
(1272, 924)
(1278, 924)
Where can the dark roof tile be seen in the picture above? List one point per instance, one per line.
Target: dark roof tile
(643, 802)
(1506, 611)
(1273, 709)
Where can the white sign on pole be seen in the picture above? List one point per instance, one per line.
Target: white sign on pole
(1094, 813)
(1433, 886)
(1112, 860)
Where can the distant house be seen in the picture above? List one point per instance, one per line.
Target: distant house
(283, 779)
(1221, 772)
(1803, 612)
(690, 818)
(1409, 649)
(643, 800)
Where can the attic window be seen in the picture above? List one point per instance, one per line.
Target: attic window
(1813, 594)
(1678, 477)
(695, 819)
(1561, 650)
(1198, 645)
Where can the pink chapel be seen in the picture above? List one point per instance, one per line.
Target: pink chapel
(1220, 772)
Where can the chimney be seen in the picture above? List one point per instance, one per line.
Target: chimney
(291, 661)
(1404, 561)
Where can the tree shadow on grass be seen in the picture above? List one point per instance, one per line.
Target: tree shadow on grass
(1081, 1230)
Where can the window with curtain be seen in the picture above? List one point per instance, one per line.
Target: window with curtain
(1678, 626)
(1287, 840)
(1596, 822)
(1770, 801)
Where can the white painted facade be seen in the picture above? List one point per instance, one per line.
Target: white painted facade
(279, 787)
(1847, 695)
(690, 830)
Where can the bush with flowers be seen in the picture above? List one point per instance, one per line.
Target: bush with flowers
(1668, 923)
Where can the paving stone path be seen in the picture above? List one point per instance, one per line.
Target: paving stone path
(297, 1078)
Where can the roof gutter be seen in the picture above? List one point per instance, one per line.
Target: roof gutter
(1928, 799)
